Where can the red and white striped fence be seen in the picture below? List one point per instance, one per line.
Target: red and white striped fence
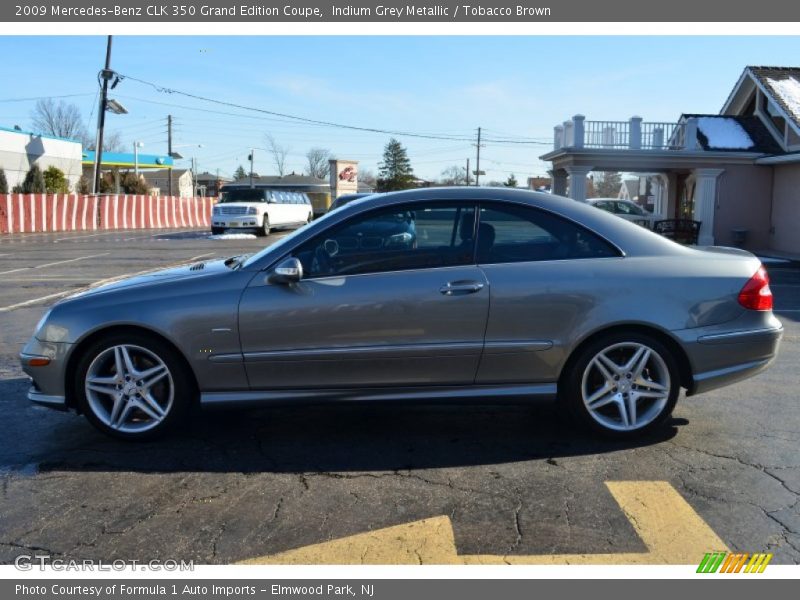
(26, 213)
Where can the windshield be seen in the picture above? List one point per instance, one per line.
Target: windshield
(630, 208)
(243, 195)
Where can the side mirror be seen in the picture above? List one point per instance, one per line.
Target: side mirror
(289, 270)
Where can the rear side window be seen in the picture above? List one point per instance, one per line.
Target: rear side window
(519, 234)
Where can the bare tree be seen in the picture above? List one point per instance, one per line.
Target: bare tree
(454, 175)
(318, 165)
(607, 183)
(367, 177)
(278, 153)
(62, 119)
(112, 142)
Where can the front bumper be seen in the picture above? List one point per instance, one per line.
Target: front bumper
(48, 380)
(235, 221)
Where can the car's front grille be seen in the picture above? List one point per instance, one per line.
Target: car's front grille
(232, 210)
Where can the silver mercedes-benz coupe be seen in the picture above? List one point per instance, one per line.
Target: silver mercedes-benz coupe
(432, 294)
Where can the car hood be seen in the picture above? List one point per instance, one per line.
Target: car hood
(187, 271)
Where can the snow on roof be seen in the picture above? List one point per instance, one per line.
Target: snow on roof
(789, 91)
(724, 133)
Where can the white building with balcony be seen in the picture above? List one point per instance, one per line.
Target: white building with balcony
(735, 171)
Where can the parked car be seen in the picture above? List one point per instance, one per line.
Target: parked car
(347, 199)
(259, 209)
(434, 294)
(630, 211)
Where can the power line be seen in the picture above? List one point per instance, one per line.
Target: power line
(45, 97)
(167, 90)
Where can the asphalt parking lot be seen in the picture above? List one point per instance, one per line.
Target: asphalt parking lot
(475, 484)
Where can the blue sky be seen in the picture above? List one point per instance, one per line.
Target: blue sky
(511, 86)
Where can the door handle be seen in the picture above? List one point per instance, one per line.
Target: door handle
(458, 288)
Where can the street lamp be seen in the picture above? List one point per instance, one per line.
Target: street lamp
(114, 106)
(136, 146)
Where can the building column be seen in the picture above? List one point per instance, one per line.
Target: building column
(577, 182)
(672, 195)
(559, 185)
(660, 195)
(705, 201)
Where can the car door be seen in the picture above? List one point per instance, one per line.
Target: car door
(390, 297)
(545, 274)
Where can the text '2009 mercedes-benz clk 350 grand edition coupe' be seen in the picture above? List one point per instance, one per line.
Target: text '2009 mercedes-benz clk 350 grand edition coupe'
(439, 295)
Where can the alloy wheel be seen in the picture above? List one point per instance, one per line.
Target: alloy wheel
(626, 386)
(129, 388)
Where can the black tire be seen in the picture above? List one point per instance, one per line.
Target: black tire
(265, 229)
(654, 411)
(181, 380)
(217, 230)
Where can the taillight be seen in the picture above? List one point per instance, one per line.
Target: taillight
(756, 294)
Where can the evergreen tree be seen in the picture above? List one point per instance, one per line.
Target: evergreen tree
(239, 173)
(3, 182)
(511, 181)
(395, 170)
(55, 182)
(34, 181)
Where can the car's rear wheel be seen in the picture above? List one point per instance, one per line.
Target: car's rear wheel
(265, 227)
(133, 387)
(623, 385)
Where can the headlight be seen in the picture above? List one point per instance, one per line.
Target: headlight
(252, 210)
(399, 239)
(41, 323)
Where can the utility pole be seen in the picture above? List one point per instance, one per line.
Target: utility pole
(478, 159)
(106, 75)
(251, 157)
(169, 153)
(467, 171)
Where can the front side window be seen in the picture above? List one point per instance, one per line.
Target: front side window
(397, 238)
(519, 234)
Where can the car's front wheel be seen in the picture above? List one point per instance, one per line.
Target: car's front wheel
(217, 230)
(132, 387)
(622, 385)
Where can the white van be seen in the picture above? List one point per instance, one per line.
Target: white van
(260, 209)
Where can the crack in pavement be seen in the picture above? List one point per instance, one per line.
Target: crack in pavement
(758, 467)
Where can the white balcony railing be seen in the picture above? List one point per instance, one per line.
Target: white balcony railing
(633, 134)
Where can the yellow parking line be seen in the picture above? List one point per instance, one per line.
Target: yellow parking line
(672, 531)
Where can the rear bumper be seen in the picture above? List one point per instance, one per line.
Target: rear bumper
(725, 357)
